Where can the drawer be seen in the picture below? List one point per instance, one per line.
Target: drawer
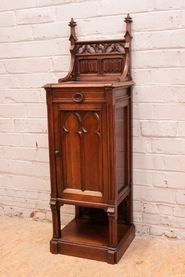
(78, 95)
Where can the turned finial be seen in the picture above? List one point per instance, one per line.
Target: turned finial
(128, 21)
(72, 23)
(72, 37)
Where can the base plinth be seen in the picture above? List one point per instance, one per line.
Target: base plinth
(89, 239)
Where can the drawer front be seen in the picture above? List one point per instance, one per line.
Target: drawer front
(79, 95)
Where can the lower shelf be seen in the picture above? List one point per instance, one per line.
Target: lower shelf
(88, 238)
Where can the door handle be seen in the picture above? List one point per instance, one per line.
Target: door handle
(78, 97)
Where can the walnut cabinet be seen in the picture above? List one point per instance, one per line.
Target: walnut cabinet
(90, 146)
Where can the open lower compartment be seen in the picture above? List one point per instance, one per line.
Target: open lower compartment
(91, 231)
(88, 237)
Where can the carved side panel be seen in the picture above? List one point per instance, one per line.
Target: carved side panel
(121, 148)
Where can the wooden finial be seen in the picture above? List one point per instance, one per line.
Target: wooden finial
(128, 38)
(72, 37)
(72, 23)
(128, 21)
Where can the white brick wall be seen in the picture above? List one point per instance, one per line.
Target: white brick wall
(34, 50)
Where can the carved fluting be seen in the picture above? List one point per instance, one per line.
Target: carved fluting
(104, 47)
(100, 66)
(112, 65)
(88, 66)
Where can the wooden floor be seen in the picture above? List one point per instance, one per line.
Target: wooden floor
(24, 252)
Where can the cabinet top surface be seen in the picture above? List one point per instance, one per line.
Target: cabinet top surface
(74, 84)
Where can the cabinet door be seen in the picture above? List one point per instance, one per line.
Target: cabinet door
(81, 151)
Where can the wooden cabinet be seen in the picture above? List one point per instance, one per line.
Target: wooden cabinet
(89, 123)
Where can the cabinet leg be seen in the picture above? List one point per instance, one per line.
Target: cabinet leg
(128, 209)
(54, 246)
(113, 233)
(78, 211)
(111, 256)
(56, 219)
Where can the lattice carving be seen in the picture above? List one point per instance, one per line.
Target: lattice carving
(103, 47)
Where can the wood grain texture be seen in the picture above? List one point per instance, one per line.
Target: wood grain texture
(89, 119)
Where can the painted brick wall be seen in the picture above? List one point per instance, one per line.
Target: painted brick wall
(34, 50)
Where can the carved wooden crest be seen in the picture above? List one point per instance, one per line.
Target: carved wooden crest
(100, 60)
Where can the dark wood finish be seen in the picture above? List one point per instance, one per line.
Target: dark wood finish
(89, 123)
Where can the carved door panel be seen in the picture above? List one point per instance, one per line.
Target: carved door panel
(81, 142)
